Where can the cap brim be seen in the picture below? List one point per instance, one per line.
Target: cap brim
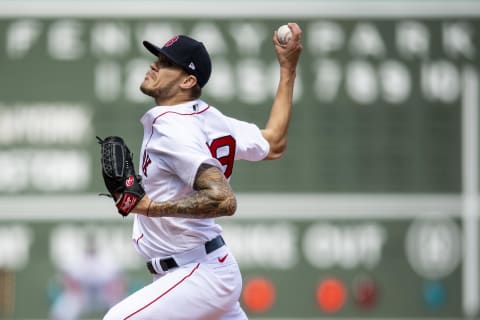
(151, 47)
(156, 51)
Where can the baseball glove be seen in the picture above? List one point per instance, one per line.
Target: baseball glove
(119, 175)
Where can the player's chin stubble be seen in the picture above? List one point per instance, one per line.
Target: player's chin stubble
(147, 91)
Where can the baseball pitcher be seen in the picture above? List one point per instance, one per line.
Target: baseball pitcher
(188, 153)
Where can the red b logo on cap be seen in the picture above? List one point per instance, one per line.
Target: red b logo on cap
(171, 41)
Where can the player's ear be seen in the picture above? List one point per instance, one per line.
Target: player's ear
(189, 81)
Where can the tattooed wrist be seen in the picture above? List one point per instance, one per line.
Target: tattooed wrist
(199, 205)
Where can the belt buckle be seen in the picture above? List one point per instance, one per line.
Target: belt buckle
(157, 266)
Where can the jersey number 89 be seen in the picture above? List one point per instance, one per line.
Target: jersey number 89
(223, 149)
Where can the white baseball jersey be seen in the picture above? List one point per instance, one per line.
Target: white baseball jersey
(177, 140)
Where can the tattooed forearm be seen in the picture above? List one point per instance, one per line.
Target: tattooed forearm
(213, 198)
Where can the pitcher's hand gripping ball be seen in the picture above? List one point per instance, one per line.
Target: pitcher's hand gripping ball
(284, 34)
(119, 175)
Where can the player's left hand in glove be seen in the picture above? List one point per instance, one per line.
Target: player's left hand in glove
(119, 174)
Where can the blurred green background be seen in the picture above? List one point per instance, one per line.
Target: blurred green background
(377, 193)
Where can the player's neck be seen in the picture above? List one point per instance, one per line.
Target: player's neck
(177, 99)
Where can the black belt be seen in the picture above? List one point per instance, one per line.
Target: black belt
(170, 263)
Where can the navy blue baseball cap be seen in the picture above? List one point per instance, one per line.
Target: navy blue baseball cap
(190, 54)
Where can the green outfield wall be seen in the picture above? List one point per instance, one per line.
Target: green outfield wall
(371, 214)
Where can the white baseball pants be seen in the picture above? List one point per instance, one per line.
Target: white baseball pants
(203, 290)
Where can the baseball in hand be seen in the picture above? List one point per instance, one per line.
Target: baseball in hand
(284, 34)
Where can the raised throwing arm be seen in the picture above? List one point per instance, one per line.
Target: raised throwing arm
(275, 131)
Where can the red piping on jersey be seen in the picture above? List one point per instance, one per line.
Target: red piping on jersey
(163, 294)
(138, 239)
(181, 114)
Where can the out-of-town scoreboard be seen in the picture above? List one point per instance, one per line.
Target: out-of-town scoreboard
(372, 212)
(378, 98)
